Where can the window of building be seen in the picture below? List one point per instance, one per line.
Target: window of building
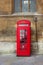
(32, 5)
(25, 5)
(17, 5)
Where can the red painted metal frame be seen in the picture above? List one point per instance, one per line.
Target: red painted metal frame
(27, 50)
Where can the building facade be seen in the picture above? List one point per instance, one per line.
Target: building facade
(12, 11)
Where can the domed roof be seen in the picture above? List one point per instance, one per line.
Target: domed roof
(24, 22)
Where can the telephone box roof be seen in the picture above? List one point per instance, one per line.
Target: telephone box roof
(24, 22)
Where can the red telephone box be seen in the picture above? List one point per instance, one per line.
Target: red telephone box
(23, 38)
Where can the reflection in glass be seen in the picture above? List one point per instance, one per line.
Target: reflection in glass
(32, 5)
(23, 36)
(24, 5)
(17, 5)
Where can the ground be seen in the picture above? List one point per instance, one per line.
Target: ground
(12, 59)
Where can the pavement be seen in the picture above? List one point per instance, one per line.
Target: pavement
(12, 59)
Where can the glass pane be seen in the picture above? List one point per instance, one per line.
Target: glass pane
(17, 5)
(24, 5)
(23, 36)
(32, 5)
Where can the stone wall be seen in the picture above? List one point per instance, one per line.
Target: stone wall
(7, 47)
(37, 47)
(40, 6)
(8, 25)
(8, 28)
(5, 7)
(8, 31)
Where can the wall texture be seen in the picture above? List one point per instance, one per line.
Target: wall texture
(8, 28)
(8, 25)
(5, 7)
(8, 31)
(40, 6)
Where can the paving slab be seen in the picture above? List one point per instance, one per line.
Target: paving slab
(12, 59)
